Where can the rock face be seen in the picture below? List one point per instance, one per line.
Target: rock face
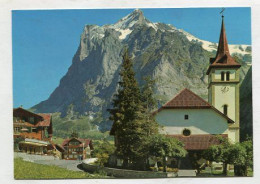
(173, 57)
(246, 111)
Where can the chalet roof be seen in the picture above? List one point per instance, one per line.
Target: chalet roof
(26, 111)
(186, 99)
(223, 57)
(85, 141)
(46, 120)
(59, 147)
(199, 141)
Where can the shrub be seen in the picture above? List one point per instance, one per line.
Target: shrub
(102, 159)
(175, 170)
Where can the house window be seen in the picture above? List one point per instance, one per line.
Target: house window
(222, 76)
(34, 130)
(225, 109)
(186, 116)
(186, 132)
(228, 75)
(16, 129)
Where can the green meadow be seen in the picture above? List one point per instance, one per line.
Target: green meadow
(29, 170)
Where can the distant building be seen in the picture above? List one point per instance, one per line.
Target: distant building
(76, 148)
(34, 146)
(34, 131)
(58, 151)
(27, 124)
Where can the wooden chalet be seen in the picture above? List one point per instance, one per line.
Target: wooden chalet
(76, 148)
(34, 131)
(31, 125)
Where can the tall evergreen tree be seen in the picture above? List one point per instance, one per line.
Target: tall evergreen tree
(149, 125)
(149, 104)
(74, 134)
(147, 96)
(126, 113)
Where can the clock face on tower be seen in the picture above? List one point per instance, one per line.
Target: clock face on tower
(224, 89)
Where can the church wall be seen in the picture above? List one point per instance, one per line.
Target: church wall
(210, 95)
(200, 121)
(232, 135)
(227, 97)
(217, 74)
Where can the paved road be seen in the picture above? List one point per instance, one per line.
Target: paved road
(50, 160)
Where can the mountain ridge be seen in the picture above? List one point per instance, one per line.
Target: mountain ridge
(175, 58)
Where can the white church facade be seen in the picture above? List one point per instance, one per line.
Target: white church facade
(195, 121)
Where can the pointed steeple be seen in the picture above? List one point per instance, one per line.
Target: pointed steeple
(223, 57)
(222, 44)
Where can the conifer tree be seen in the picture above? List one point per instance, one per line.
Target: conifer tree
(147, 96)
(126, 113)
(74, 134)
(149, 103)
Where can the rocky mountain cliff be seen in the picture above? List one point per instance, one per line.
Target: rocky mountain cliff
(246, 111)
(173, 57)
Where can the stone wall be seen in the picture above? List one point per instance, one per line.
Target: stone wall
(124, 173)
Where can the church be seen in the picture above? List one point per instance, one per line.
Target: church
(195, 121)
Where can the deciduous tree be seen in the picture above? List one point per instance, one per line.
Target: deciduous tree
(238, 154)
(163, 147)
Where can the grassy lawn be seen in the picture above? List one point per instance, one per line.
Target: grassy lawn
(28, 170)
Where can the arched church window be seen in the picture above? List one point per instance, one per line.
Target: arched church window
(227, 77)
(222, 76)
(186, 132)
(225, 109)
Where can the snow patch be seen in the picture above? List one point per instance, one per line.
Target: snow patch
(124, 33)
(209, 46)
(152, 25)
(240, 49)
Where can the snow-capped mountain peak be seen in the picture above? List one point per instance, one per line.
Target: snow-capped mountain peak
(172, 57)
(127, 23)
(210, 46)
(136, 17)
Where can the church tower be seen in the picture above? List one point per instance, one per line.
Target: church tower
(223, 80)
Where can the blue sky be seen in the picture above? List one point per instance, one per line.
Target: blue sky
(45, 41)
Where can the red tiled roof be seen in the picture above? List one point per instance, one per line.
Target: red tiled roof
(65, 142)
(85, 141)
(198, 142)
(43, 119)
(46, 120)
(223, 57)
(186, 99)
